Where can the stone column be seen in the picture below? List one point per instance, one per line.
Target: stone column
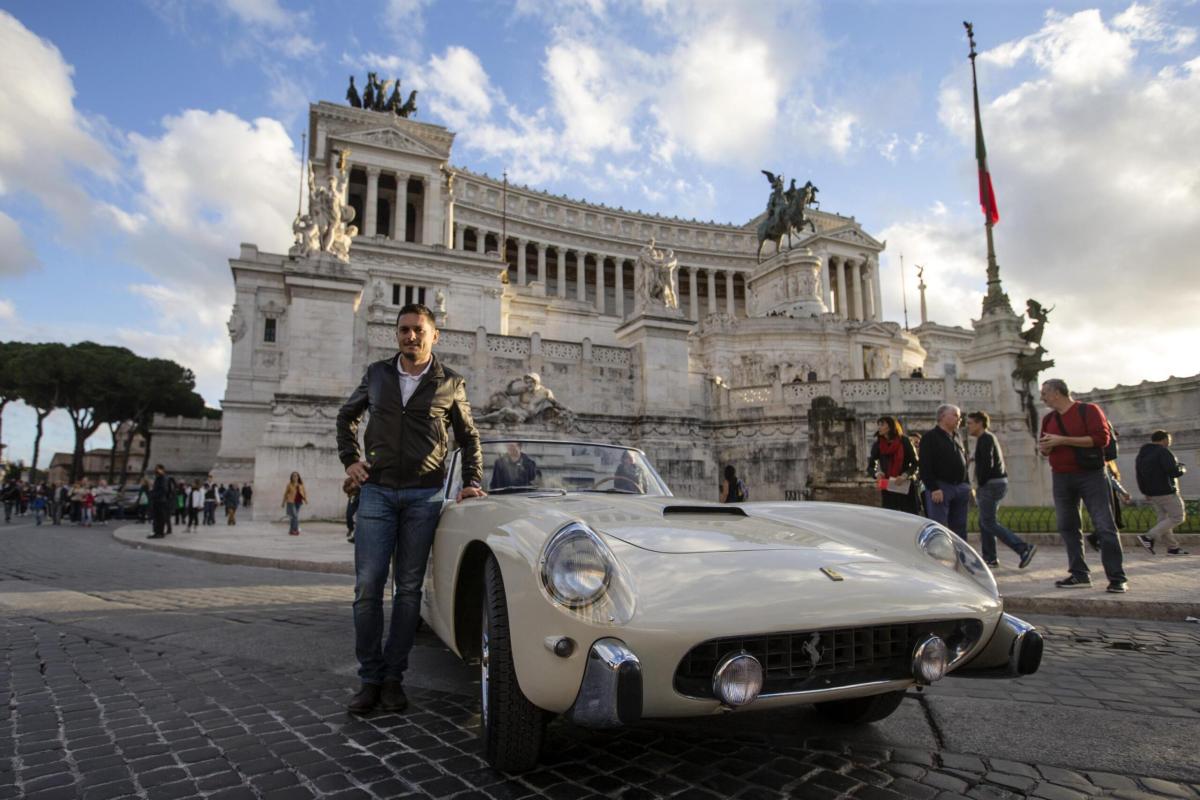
(562, 271)
(826, 287)
(600, 304)
(693, 295)
(619, 285)
(400, 212)
(730, 304)
(868, 292)
(838, 263)
(580, 275)
(522, 252)
(541, 262)
(480, 240)
(856, 282)
(712, 291)
(876, 290)
(370, 220)
(459, 237)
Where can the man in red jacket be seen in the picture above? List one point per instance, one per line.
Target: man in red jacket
(1074, 436)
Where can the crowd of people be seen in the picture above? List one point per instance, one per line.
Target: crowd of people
(161, 501)
(937, 475)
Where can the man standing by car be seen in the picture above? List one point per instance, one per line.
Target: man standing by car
(412, 400)
(1074, 436)
(943, 467)
(1158, 474)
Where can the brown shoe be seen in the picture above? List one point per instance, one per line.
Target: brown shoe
(393, 698)
(365, 700)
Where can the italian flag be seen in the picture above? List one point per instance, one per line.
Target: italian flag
(987, 195)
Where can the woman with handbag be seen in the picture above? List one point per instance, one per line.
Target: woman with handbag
(294, 496)
(893, 463)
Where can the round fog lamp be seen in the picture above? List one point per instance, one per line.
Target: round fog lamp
(929, 660)
(737, 680)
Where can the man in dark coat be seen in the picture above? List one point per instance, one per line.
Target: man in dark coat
(1158, 474)
(161, 492)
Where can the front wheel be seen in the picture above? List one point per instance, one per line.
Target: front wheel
(511, 727)
(861, 710)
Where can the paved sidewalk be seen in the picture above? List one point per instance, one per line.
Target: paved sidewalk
(1160, 587)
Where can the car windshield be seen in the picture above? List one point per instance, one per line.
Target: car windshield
(516, 465)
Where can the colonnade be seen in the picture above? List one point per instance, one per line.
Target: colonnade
(397, 225)
(584, 275)
(851, 287)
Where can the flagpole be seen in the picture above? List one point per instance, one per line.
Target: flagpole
(996, 299)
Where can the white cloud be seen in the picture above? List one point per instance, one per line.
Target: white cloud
(1148, 23)
(1099, 194)
(16, 256)
(594, 106)
(8, 312)
(462, 93)
(44, 141)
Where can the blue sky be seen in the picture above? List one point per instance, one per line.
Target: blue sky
(140, 142)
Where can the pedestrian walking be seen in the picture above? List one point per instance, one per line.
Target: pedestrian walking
(179, 504)
(59, 498)
(1073, 437)
(232, 498)
(1158, 474)
(39, 506)
(413, 399)
(294, 497)
(210, 503)
(942, 463)
(195, 504)
(87, 507)
(11, 495)
(160, 494)
(104, 497)
(247, 495)
(733, 488)
(991, 478)
(893, 462)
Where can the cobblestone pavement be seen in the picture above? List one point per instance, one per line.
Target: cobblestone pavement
(128, 673)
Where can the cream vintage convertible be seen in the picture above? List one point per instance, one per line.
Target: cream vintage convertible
(584, 588)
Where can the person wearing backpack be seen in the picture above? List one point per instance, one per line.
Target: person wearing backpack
(733, 488)
(1073, 437)
(1158, 474)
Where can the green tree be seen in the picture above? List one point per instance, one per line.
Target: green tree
(8, 380)
(165, 388)
(39, 376)
(92, 395)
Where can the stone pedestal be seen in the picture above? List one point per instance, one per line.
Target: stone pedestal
(787, 284)
(993, 357)
(300, 434)
(660, 352)
(835, 467)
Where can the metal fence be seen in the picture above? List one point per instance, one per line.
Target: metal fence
(1040, 519)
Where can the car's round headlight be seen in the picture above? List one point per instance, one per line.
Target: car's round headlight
(944, 546)
(738, 679)
(576, 569)
(930, 660)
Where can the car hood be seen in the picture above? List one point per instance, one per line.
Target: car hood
(673, 525)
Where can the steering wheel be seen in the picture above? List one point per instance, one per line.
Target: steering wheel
(619, 482)
(610, 479)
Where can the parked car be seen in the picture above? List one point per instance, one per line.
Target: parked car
(592, 592)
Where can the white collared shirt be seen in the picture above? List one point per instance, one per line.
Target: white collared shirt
(408, 383)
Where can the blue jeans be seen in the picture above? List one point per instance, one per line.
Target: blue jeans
(952, 511)
(394, 525)
(1093, 489)
(989, 496)
(293, 512)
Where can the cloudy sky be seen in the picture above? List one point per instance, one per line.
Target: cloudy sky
(140, 142)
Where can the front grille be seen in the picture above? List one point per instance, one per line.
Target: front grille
(823, 659)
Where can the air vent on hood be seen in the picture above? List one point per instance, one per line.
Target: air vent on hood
(727, 511)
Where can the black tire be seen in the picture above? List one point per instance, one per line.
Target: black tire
(511, 728)
(861, 710)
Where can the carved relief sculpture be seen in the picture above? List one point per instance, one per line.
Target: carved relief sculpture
(236, 324)
(526, 399)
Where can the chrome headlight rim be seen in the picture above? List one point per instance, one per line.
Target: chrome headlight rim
(573, 532)
(934, 537)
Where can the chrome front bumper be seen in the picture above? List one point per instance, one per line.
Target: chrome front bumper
(610, 694)
(1015, 649)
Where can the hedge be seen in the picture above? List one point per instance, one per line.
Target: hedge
(1040, 519)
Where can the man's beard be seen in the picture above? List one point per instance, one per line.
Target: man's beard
(409, 357)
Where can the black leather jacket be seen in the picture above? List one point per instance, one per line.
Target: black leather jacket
(407, 445)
